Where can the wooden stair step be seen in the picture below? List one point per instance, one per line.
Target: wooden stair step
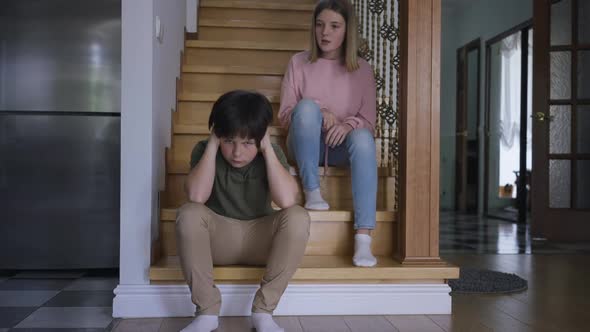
(331, 233)
(257, 4)
(181, 166)
(252, 57)
(233, 23)
(337, 191)
(221, 83)
(244, 45)
(254, 30)
(315, 269)
(229, 69)
(273, 96)
(204, 130)
(197, 113)
(342, 216)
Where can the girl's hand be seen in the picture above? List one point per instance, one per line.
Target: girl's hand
(329, 119)
(337, 134)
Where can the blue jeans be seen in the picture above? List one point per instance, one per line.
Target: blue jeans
(305, 143)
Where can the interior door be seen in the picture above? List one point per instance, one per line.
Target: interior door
(561, 127)
(467, 121)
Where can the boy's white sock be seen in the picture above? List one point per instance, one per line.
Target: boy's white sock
(314, 200)
(203, 323)
(263, 322)
(362, 251)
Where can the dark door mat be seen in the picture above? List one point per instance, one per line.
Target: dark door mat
(486, 281)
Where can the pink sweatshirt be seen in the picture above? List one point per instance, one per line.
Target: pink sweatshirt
(350, 96)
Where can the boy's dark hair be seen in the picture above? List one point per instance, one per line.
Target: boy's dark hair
(241, 113)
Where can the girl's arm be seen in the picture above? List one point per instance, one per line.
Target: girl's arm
(288, 95)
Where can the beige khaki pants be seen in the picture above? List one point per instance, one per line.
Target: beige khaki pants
(205, 239)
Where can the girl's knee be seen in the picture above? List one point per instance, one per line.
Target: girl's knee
(361, 139)
(306, 111)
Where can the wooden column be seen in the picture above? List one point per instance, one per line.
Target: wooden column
(420, 25)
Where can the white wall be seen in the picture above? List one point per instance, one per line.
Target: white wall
(191, 15)
(148, 72)
(462, 22)
(165, 68)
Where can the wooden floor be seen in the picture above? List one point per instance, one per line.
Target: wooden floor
(558, 299)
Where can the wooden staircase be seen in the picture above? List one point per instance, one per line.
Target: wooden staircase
(247, 45)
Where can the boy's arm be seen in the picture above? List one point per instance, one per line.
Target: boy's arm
(199, 182)
(283, 187)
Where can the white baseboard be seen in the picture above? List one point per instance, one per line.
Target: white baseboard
(298, 300)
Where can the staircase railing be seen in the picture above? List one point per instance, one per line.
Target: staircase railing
(378, 22)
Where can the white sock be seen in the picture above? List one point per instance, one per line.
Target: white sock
(314, 200)
(203, 323)
(264, 323)
(362, 251)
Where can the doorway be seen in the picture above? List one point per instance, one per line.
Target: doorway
(508, 126)
(467, 122)
(561, 155)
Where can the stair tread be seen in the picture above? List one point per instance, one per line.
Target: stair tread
(204, 129)
(181, 166)
(256, 5)
(332, 268)
(253, 24)
(169, 215)
(273, 96)
(248, 70)
(245, 45)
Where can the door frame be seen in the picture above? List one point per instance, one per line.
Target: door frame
(522, 27)
(462, 121)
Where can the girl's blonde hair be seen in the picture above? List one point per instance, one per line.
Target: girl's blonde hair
(350, 43)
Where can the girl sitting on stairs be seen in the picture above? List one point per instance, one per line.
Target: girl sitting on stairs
(229, 219)
(328, 103)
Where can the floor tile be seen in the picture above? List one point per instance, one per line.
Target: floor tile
(231, 324)
(92, 317)
(414, 323)
(3, 330)
(25, 298)
(35, 284)
(102, 273)
(289, 323)
(323, 324)
(139, 325)
(7, 273)
(175, 324)
(68, 274)
(56, 330)
(94, 284)
(10, 316)
(444, 321)
(369, 323)
(82, 299)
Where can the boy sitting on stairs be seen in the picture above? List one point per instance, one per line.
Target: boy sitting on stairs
(229, 219)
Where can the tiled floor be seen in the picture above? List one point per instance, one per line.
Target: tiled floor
(44, 301)
(482, 235)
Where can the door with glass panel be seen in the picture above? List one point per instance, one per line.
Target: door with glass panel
(561, 126)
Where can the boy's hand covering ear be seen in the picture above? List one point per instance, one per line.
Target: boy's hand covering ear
(265, 142)
(213, 139)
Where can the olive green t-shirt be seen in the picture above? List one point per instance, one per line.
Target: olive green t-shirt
(239, 193)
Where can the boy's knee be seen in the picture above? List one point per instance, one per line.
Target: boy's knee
(190, 215)
(297, 222)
